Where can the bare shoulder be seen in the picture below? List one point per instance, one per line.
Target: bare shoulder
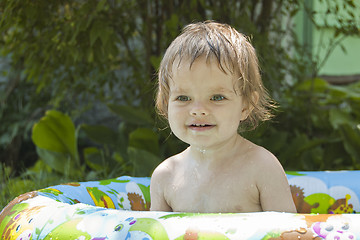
(271, 181)
(269, 168)
(264, 160)
(159, 183)
(164, 170)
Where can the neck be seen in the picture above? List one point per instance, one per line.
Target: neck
(214, 155)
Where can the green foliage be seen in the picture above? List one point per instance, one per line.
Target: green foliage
(19, 109)
(317, 127)
(131, 152)
(55, 138)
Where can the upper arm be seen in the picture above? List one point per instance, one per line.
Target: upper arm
(275, 194)
(157, 188)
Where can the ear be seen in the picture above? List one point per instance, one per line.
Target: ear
(249, 105)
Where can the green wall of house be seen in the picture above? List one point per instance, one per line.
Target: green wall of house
(343, 60)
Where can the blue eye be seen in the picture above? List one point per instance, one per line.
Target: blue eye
(183, 98)
(217, 98)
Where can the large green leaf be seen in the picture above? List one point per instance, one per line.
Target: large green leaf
(55, 137)
(60, 162)
(55, 132)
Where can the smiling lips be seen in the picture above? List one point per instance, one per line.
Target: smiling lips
(200, 126)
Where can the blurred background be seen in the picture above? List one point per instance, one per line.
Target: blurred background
(77, 82)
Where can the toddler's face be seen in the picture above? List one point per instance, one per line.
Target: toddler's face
(205, 107)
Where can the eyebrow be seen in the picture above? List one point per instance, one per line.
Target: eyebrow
(213, 90)
(177, 90)
(223, 90)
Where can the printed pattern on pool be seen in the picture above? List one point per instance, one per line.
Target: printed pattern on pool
(118, 209)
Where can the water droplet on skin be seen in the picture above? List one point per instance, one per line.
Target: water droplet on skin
(196, 173)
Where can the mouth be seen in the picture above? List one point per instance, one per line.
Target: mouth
(200, 126)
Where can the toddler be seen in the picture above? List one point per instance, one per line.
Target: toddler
(209, 90)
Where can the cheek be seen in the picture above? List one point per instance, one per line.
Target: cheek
(171, 112)
(174, 116)
(233, 113)
(233, 126)
(176, 111)
(176, 124)
(171, 120)
(235, 120)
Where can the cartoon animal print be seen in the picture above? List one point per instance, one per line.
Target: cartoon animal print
(137, 203)
(334, 230)
(20, 226)
(86, 227)
(146, 228)
(136, 197)
(341, 206)
(7, 211)
(298, 197)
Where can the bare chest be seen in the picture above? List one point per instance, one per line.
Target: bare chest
(213, 194)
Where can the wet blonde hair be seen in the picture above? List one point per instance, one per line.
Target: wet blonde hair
(234, 54)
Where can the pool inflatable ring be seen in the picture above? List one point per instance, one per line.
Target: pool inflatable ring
(118, 209)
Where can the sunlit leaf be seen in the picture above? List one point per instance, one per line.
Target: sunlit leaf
(55, 132)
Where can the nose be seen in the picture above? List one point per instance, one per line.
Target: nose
(199, 109)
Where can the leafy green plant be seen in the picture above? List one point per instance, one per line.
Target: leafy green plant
(131, 150)
(55, 138)
(317, 128)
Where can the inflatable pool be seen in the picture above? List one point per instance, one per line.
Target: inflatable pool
(118, 209)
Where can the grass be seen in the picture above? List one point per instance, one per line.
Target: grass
(40, 176)
(29, 180)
